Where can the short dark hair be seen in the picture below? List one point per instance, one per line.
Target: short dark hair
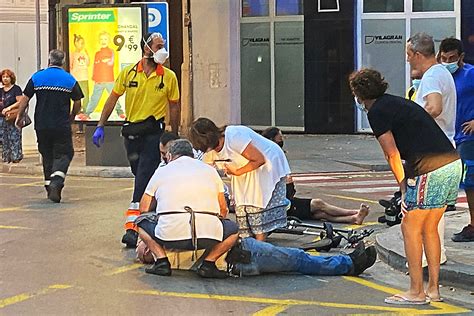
(166, 137)
(181, 147)
(10, 74)
(449, 44)
(368, 84)
(204, 134)
(271, 132)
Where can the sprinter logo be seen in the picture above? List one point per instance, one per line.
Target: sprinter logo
(92, 16)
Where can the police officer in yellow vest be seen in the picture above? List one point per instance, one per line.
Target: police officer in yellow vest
(149, 88)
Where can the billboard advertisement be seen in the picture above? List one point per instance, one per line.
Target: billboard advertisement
(100, 42)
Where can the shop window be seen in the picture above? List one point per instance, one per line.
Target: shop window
(376, 6)
(289, 7)
(383, 48)
(289, 74)
(255, 75)
(433, 5)
(436, 27)
(253, 8)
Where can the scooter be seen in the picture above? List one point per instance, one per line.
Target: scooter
(330, 237)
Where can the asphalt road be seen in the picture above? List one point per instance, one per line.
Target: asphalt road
(66, 259)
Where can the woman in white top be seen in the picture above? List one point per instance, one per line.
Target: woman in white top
(258, 169)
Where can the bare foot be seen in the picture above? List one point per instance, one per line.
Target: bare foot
(433, 295)
(363, 212)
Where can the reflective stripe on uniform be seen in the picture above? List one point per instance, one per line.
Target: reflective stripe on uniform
(131, 215)
(131, 218)
(59, 174)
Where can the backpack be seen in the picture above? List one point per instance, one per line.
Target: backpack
(393, 210)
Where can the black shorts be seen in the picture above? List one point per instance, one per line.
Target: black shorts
(300, 208)
(229, 228)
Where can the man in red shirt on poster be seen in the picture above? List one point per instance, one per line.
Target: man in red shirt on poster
(103, 74)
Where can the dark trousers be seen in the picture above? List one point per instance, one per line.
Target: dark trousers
(143, 154)
(56, 150)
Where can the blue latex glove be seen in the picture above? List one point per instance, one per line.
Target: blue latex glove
(99, 136)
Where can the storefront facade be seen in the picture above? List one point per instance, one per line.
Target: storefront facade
(383, 27)
(295, 55)
(19, 46)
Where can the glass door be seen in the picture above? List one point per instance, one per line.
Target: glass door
(383, 28)
(272, 64)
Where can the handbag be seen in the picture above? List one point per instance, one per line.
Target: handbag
(11, 116)
(26, 119)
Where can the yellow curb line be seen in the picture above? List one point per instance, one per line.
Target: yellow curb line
(443, 308)
(270, 301)
(123, 269)
(351, 198)
(25, 296)
(271, 310)
(13, 227)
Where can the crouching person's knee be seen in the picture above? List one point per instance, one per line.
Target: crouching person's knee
(230, 228)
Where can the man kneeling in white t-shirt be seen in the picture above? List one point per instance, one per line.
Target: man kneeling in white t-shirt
(190, 212)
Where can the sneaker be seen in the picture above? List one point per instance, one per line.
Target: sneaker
(467, 234)
(54, 192)
(362, 258)
(371, 253)
(130, 238)
(209, 270)
(160, 267)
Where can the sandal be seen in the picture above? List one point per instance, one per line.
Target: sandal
(434, 299)
(399, 299)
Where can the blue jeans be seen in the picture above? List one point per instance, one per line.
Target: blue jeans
(466, 151)
(267, 258)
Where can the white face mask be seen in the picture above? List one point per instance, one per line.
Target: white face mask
(160, 56)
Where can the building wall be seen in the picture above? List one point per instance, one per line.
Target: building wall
(18, 42)
(216, 60)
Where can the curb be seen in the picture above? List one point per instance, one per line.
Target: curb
(452, 273)
(92, 171)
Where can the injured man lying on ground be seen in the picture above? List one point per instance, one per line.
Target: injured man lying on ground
(195, 220)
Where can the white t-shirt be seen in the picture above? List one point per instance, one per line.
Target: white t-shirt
(255, 187)
(186, 182)
(438, 79)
